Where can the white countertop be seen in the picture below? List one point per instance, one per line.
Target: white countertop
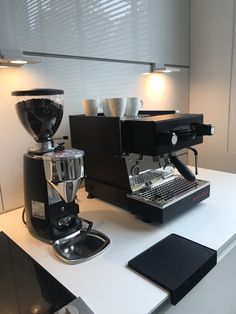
(105, 282)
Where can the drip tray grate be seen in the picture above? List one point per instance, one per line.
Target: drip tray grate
(168, 191)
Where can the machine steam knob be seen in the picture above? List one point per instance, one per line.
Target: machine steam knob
(167, 138)
(203, 129)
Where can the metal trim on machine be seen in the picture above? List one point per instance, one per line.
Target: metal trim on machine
(164, 189)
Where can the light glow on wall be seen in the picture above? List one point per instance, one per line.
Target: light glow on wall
(154, 86)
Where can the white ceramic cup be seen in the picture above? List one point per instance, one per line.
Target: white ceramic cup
(90, 106)
(133, 105)
(117, 106)
(105, 107)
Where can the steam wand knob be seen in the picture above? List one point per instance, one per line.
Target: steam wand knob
(203, 129)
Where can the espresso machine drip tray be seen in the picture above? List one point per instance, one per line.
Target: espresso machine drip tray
(162, 189)
(80, 246)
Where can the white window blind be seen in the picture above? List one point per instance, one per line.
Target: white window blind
(115, 29)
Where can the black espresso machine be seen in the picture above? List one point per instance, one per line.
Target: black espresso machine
(130, 162)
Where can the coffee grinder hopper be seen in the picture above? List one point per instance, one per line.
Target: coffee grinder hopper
(64, 170)
(40, 111)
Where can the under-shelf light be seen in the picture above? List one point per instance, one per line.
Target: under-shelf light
(153, 67)
(16, 58)
(18, 62)
(165, 68)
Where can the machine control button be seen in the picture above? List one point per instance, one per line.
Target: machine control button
(174, 139)
(167, 138)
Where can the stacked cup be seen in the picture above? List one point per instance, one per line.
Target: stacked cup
(105, 107)
(133, 105)
(113, 107)
(122, 106)
(90, 106)
(117, 106)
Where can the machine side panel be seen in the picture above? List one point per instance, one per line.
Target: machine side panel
(100, 139)
(96, 134)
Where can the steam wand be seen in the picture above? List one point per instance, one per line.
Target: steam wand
(196, 158)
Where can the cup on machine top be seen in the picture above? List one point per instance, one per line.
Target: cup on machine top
(105, 107)
(90, 106)
(133, 105)
(117, 106)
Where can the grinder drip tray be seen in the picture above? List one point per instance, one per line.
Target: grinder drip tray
(80, 246)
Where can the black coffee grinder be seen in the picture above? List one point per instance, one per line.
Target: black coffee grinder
(51, 173)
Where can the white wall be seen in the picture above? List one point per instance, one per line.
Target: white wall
(115, 29)
(212, 79)
(1, 204)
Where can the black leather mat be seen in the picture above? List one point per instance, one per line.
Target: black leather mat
(175, 263)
